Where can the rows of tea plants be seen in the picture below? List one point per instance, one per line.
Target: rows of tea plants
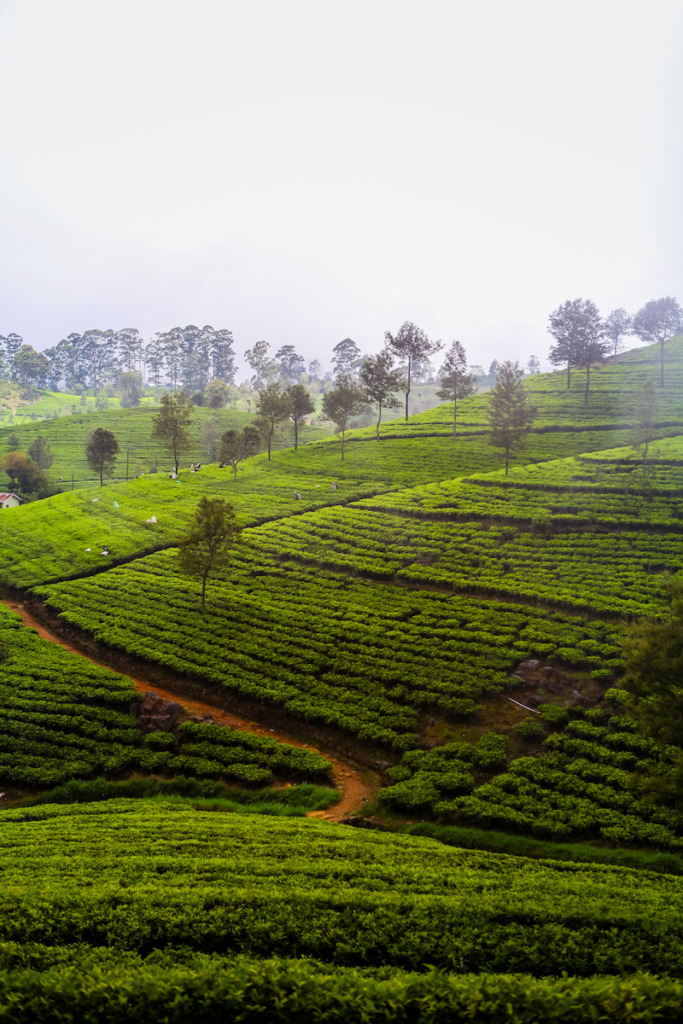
(64, 536)
(322, 645)
(582, 787)
(141, 875)
(63, 717)
(603, 573)
(585, 491)
(71, 984)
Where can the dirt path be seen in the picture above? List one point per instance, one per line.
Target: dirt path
(356, 785)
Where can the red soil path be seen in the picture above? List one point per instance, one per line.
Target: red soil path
(355, 785)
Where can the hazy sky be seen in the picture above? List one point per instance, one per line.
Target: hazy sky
(304, 171)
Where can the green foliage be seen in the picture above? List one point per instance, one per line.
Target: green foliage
(101, 450)
(510, 411)
(171, 424)
(208, 545)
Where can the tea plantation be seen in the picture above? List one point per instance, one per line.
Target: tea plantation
(458, 629)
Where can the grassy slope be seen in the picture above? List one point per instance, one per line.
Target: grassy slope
(133, 428)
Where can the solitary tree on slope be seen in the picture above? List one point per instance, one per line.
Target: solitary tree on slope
(101, 450)
(510, 411)
(209, 543)
(410, 343)
(659, 320)
(171, 423)
(380, 380)
(456, 382)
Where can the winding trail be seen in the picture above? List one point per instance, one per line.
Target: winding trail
(356, 785)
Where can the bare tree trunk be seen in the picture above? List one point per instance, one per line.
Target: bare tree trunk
(270, 438)
(455, 412)
(569, 371)
(410, 366)
(588, 383)
(342, 443)
(379, 419)
(661, 371)
(206, 573)
(296, 434)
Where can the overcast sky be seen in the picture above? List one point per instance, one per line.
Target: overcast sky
(304, 171)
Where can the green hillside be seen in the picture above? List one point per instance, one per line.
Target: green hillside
(414, 608)
(133, 430)
(101, 892)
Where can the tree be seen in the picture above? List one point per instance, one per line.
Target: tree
(456, 382)
(591, 346)
(41, 453)
(408, 344)
(24, 475)
(510, 412)
(534, 365)
(347, 399)
(300, 405)
(654, 680)
(291, 364)
(263, 367)
(171, 423)
(31, 367)
(217, 394)
(209, 543)
(346, 359)
(494, 369)
(101, 450)
(273, 406)
(380, 379)
(130, 384)
(659, 320)
(236, 446)
(575, 325)
(617, 325)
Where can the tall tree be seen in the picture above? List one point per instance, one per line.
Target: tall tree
(12, 343)
(345, 400)
(315, 370)
(172, 421)
(301, 405)
(264, 368)
(273, 406)
(534, 365)
(154, 360)
(31, 367)
(659, 320)
(456, 382)
(346, 359)
(570, 324)
(101, 450)
(410, 343)
(380, 380)
(236, 446)
(209, 543)
(41, 453)
(617, 326)
(291, 365)
(591, 347)
(223, 356)
(510, 412)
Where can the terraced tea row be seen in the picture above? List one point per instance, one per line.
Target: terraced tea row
(142, 875)
(327, 648)
(583, 787)
(62, 718)
(612, 574)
